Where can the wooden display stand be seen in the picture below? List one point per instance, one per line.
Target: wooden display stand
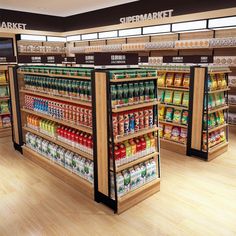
(105, 142)
(199, 94)
(50, 165)
(6, 131)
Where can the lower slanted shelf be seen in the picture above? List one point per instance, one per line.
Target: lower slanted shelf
(134, 197)
(217, 150)
(65, 175)
(173, 146)
(5, 132)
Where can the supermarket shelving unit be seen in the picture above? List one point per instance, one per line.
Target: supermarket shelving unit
(61, 172)
(5, 131)
(107, 169)
(199, 94)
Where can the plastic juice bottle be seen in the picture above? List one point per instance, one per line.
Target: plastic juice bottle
(58, 132)
(138, 147)
(128, 150)
(141, 92)
(89, 92)
(143, 145)
(131, 93)
(148, 145)
(120, 94)
(136, 93)
(133, 148)
(113, 95)
(152, 142)
(151, 90)
(125, 94)
(85, 142)
(81, 140)
(77, 139)
(117, 155)
(123, 153)
(72, 137)
(89, 143)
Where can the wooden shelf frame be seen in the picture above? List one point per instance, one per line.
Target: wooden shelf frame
(62, 122)
(219, 90)
(174, 106)
(173, 124)
(135, 162)
(59, 98)
(55, 75)
(216, 128)
(134, 135)
(60, 172)
(133, 79)
(135, 106)
(220, 108)
(62, 144)
(173, 88)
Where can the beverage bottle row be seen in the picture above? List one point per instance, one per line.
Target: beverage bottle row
(64, 87)
(133, 149)
(77, 114)
(132, 121)
(75, 138)
(133, 177)
(132, 93)
(69, 160)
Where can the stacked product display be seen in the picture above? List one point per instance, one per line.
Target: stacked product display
(5, 115)
(173, 94)
(134, 142)
(67, 159)
(232, 100)
(215, 119)
(57, 121)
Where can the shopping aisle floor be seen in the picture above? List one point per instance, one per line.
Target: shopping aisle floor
(196, 198)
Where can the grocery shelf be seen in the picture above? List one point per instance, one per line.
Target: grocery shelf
(219, 72)
(219, 90)
(232, 105)
(172, 123)
(55, 75)
(4, 84)
(174, 88)
(133, 79)
(135, 196)
(215, 128)
(224, 107)
(5, 131)
(6, 113)
(64, 145)
(134, 135)
(4, 98)
(173, 71)
(217, 147)
(135, 106)
(60, 98)
(174, 106)
(66, 123)
(135, 162)
(62, 173)
(173, 146)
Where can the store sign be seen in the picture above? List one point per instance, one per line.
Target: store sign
(12, 25)
(188, 59)
(147, 16)
(7, 60)
(84, 59)
(115, 59)
(44, 59)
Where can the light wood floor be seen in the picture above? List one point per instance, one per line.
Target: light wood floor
(196, 198)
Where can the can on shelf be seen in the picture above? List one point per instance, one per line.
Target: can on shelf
(126, 123)
(115, 125)
(121, 124)
(141, 119)
(136, 120)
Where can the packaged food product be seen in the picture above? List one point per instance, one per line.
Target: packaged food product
(204, 142)
(167, 131)
(161, 95)
(183, 135)
(169, 114)
(214, 82)
(3, 77)
(168, 96)
(175, 134)
(211, 101)
(161, 112)
(186, 80)
(222, 135)
(184, 119)
(161, 130)
(212, 121)
(161, 79)
(177, 99)
(185, 101)
(169, 79)
(178, 79)
(177, 116)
